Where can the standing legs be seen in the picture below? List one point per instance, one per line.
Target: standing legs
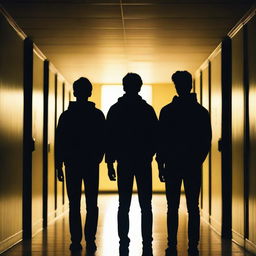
(91, 184)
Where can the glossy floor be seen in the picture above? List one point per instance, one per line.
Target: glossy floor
(54, 241)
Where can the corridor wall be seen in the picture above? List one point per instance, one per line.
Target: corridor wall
(66, 100)
(208, 85)
(251, 239)
(197, 85)
(27, 111)
(59, 110)
(37, 135)
(232, 159)
(205, 69)
(238, 136)
(215, 163)
(50, 145)
(11, 133)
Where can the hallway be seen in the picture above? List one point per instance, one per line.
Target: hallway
(48, 44)
(54, 241)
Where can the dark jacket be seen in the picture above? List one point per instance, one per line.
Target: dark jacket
(80, 135)
(131, 130)
(185, 133)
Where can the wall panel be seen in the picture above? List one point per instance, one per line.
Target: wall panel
(51, 129)
(216, 112)
(238, 109)
(59, 110)
(252, 130)
(37, 135)
(66, 100)
(198, 86)
(205, 168)
(11, 134)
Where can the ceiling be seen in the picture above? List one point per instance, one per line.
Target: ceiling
(105, 39)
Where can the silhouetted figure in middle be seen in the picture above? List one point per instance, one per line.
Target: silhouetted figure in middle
(131, 127)
(185, 132)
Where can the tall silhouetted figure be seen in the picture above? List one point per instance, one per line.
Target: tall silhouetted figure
(185, 139)
(131, 127)
(79, 145)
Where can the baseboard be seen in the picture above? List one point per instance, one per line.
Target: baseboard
(65, 208)
(51, 217)
(10, 241)
(215, 225)
(37, 227)
(238, 238)
(250, 246)
(59, 211)
(205, 216)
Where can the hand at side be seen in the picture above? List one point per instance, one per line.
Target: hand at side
(111, 172)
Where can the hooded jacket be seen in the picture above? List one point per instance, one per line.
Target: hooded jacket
(131, 130)
(80, 135)
(185, 132)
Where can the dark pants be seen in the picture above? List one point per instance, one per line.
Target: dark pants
(74, 177)
(143, 175)
(192, 184)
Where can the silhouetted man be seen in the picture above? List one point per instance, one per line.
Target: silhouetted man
(185, 132)
(79, 145)
(131, 126)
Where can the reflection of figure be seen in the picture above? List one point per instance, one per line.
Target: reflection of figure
(131, 125)
(79, 144)
(185, 132)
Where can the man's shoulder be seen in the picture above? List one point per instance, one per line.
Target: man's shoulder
(98, 112)
(115, 107)
(201, 109)
(167, 108)
(148, 106)
(65, 114)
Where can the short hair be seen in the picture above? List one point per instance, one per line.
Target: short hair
(132, 79)
(82, 83)
(182, 77)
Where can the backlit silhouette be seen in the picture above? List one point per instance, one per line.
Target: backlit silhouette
(79, 145)
(131, 127)
(185, 138)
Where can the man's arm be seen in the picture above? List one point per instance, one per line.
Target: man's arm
(59, 136)
(110, 155)
(100, 129)
(111, 171)
(160, 156)
(207, 136)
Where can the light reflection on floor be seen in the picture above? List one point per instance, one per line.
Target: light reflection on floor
(55, 240)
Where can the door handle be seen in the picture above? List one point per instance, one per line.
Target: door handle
(220, 145)
(33, 144)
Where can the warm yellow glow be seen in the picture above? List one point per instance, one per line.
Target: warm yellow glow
(110, 233)
(11, 120)
(237, 113)
(111, 93)
(110, 224)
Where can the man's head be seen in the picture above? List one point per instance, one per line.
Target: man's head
(183, 82)
(82, 88)
(132, 83)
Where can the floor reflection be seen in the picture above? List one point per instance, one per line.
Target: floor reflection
(55, 240)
